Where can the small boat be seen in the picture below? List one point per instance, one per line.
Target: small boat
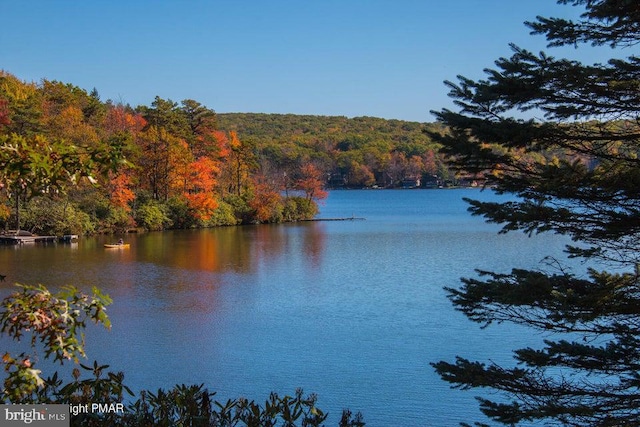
(116, 246)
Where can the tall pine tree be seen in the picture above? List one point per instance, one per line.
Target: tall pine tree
(577, 173)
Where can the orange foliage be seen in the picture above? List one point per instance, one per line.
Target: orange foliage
(223, 143)
(211, 143)
(203, 205)
(200, 188)
(237, 167)
(70, 124)
(120, 190)
(5, 212)
(311, 182)
(234, 143)
(265, 202)
(180, 161)
(119, 120)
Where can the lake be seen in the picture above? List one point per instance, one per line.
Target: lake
(353, 311)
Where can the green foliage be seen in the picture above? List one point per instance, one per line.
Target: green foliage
(101, 215)
(224, 215)
(353, 148)
(178, 213)
(573, 175)
(117, 219)
(43, 215)
(299, 208)
(193, 405)
(153, 216)
(241, 209)
(24, 105)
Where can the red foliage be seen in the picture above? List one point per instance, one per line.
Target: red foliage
(120, 120)
(4, 113)
(265, 202)
(311, 182)
(429, 160)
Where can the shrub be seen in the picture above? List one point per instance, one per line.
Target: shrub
(223, 215)
(152, 216)
(44, 215)
(180, 215)
(299, 208)
(241, 209)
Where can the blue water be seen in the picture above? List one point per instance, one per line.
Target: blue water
(353, 311)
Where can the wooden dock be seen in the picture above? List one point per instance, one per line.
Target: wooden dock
(19, 240)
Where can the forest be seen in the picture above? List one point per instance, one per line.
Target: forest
(74, 164)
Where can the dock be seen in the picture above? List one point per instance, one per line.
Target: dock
(350, 218)
(23, 238)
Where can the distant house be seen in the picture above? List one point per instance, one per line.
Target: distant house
(337, 180)
(470, 181)
(432, 181)
(411, 183)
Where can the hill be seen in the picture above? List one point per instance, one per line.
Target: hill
(277, 126)
(356, 152)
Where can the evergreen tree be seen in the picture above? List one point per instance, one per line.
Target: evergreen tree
(577, 173)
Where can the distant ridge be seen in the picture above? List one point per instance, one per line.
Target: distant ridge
(276, 126)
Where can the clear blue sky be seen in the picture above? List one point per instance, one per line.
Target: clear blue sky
(382, 58)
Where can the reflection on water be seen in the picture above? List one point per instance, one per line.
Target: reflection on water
(229, 249)
(351, 310)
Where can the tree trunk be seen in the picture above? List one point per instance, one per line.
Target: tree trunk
(17, 211)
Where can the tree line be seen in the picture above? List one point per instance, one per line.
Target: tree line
(354, 152)
(181, 165)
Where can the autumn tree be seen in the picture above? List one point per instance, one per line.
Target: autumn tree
(200, 188)
(161, 137)
(238, 165)
(154, 161)
(360, 175)
(312, 182)
(24, 105)
(121, 119)
(70, 124)
(397, 167)
(576, 173)
(165, 114)
(202, 126)
(121, 191)
(37, 166)
(267, 202)
(84, 107)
